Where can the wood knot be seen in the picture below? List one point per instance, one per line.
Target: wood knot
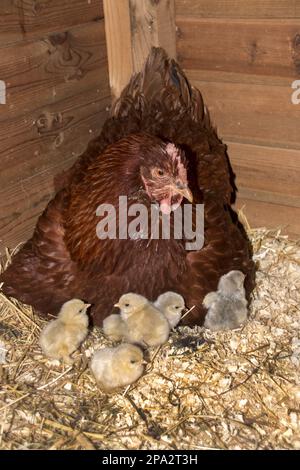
(253, 50)
(58, 39)
(49, 122)
(178, 32)
(296, 52)
(37, 7)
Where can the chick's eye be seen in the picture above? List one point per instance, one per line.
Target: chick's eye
(127, 305)
(177, 307)
(133, 361)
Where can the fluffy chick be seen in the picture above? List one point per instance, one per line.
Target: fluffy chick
(117, 367)
(114, 327)
(61, 337)
(172, 306)
(145, 324)
(227, 307)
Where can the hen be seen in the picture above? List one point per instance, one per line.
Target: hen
(158, 146)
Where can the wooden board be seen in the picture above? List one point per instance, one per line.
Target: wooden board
(58, 97)
(49, 69)
(141, 24)
(119, 52)
(262, 214)
(271, 174)
(22, 203)
(251, 113)
(265, 47)
(23, 20)
(269, 189)
(51, 133)
(152, 24)
(30, 165)
(239, 8)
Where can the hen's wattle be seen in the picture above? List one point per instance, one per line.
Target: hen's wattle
(65, 257)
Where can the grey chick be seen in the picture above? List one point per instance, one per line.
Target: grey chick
(117, 367)
(61, 337)
(172, 306)
(227, 308)
(145, 324)
(114, 327)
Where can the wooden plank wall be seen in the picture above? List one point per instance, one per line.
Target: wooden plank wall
(140, 24)
(53, 60)
(244, 55)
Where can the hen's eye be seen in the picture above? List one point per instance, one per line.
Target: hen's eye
(157, 172)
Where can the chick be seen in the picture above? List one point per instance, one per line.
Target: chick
(227, 308)
(61, 337)
(117, 367)
(114, 327)
(172, 306)
(145, 324)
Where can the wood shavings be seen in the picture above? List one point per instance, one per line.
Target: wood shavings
(225, 390)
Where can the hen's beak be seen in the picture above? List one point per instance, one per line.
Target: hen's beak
(184, 190)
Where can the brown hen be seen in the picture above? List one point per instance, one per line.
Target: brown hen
(158, 146)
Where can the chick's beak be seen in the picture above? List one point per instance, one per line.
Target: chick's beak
(117, 305)
(184, 190)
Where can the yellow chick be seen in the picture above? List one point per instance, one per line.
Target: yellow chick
(61, 337)
(114, 327)
(145, 324)
(117, 367)
(172, 306)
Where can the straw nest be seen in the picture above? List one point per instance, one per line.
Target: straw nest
(227, 390)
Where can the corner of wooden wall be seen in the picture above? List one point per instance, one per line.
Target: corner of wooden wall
(132, 27)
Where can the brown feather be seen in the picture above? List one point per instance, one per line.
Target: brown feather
(65, 259)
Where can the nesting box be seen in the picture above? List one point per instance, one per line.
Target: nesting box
(62, 63)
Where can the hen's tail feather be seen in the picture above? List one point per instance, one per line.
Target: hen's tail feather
(158, 75)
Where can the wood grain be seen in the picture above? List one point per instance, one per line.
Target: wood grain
(141, 24)
(266, 47)
(262, 214)
(268, 174)
(239, 8)
(152, 24)
(49, 69)
(251, 113)
(117, 19)
(23, 202)
(23, 20)
(57, 100)
(27, 175)
(51, 133)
